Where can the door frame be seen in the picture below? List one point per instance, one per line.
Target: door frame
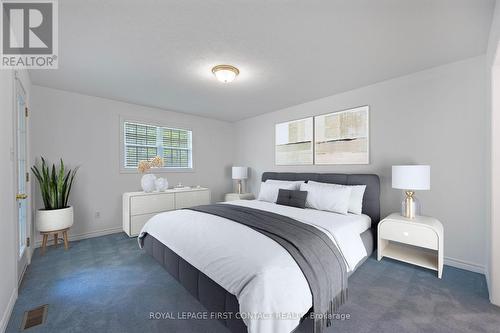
(18, 81)
(494, 232)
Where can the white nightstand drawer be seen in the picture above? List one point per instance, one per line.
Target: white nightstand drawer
(409, 234)
(152, 203)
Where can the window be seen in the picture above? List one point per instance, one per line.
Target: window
(143, 142)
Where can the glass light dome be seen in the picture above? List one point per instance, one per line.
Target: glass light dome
(225, 73)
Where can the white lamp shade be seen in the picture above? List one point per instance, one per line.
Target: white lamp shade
(240, 172)
(411, 177)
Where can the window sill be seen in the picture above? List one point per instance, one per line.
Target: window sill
(159, 171)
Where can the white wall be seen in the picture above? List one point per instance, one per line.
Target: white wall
(435, 117)
(8, 245)
(84, 131)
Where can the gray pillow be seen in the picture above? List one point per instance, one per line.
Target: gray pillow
(294, 198)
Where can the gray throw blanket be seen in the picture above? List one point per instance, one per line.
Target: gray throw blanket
(317, 256)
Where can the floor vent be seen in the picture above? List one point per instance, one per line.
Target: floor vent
(34, 317)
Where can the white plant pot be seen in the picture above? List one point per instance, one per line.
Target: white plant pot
(52, 220)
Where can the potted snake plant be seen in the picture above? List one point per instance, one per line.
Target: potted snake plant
(55, 187)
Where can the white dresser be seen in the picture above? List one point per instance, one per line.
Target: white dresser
(139, 207)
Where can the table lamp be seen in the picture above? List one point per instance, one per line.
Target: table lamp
(240, 173)
(411, 178)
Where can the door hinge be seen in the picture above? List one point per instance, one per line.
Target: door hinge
(27, 176)
(27, 241)
(26, 111)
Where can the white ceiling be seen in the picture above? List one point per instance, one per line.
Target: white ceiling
(159, 53)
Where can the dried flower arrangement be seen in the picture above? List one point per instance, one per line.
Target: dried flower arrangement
(144, 166)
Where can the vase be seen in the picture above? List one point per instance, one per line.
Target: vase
(54, 219)
(148, 183)
(161, 184)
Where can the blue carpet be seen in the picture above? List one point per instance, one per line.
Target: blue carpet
(106, 284)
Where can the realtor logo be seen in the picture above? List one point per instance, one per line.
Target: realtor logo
(29, 34)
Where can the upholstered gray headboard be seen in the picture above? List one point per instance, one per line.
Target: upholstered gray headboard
(371, 199)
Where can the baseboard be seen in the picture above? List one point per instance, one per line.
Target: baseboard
(468, 266)
(8, 311)
(91, 234)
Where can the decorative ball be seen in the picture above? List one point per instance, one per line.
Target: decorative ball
(148, 183)
(161, 184)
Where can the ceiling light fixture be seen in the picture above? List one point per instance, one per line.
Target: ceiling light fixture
(225, 73)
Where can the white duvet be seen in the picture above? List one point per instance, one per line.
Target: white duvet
(271, 289)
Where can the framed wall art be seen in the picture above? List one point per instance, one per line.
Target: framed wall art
(342, 137)
(294, 142)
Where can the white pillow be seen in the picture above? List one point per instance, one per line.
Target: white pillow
(269, 190)
(329, 197)
(356, 198)
(296, 183)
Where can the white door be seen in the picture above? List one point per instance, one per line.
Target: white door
(21, 179)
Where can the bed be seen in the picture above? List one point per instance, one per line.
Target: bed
(185, 247)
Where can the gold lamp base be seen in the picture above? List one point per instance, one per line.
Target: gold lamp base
(410, 205)
(239, 186)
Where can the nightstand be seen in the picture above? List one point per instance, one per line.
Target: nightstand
(417, 241)
(236, 196)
